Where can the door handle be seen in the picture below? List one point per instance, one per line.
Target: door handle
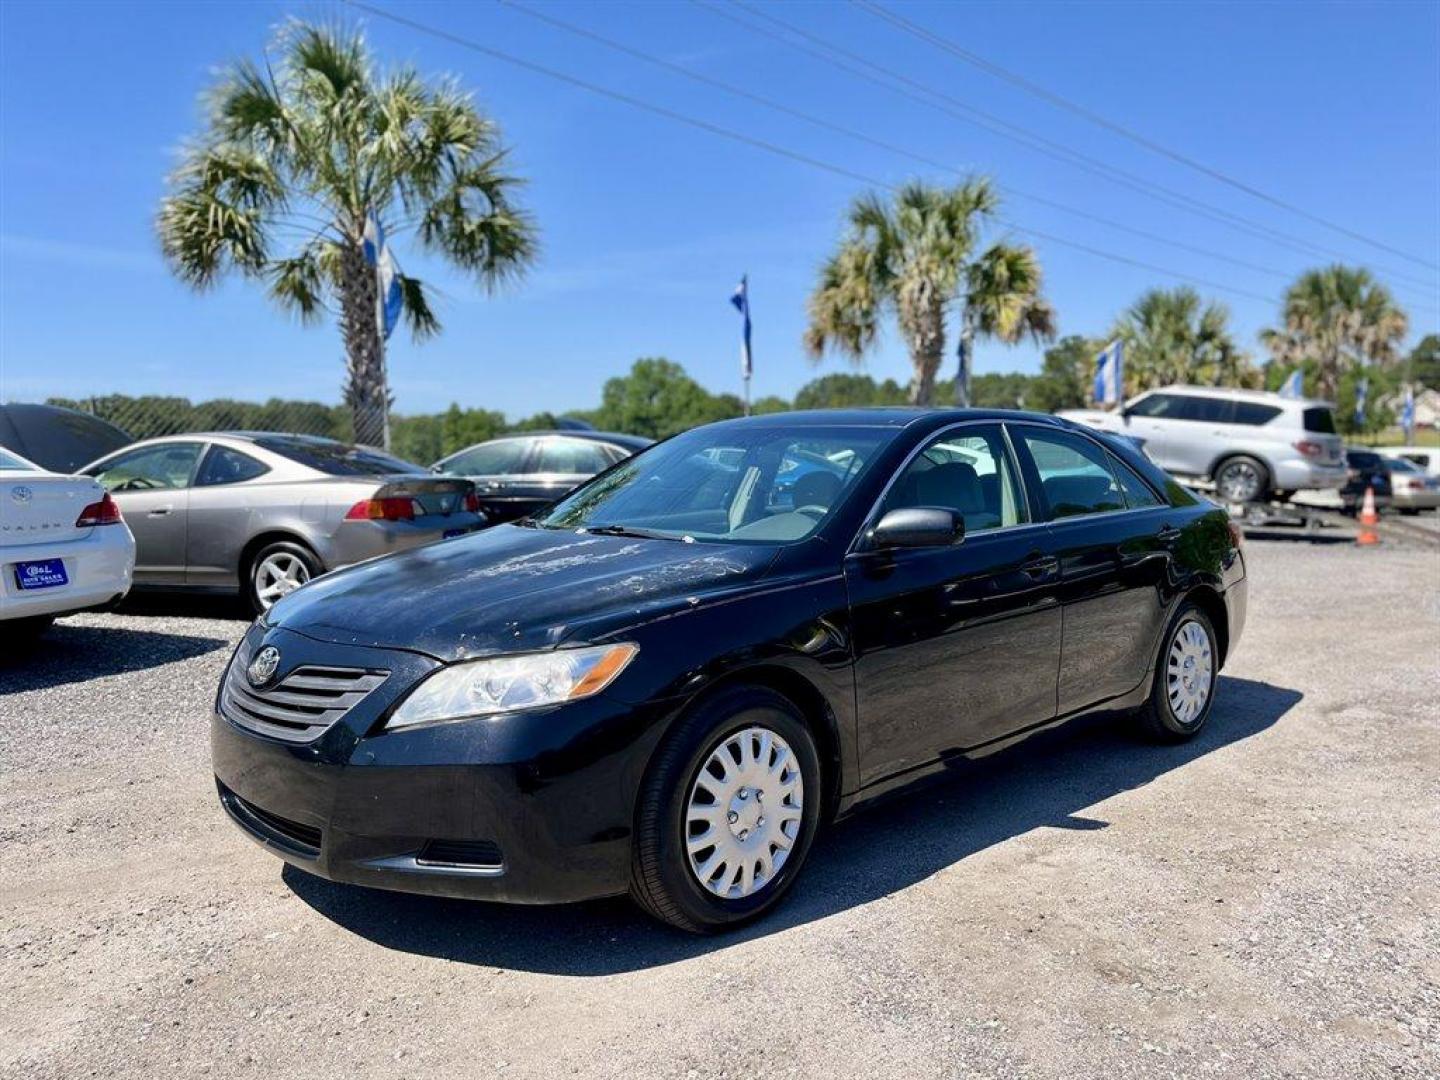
(1039, 569)
(160, 511)
(1168, 535)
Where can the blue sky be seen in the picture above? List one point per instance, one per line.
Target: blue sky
(647, 225)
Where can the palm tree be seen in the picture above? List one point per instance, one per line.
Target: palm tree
(912, 256)
(294, 160)
(1340, 317)
(1002, 301)
(1173, 336)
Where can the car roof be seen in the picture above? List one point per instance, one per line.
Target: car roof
(1237, 393)
(895, 416)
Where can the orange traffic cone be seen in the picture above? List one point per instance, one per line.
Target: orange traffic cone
(1368, 519)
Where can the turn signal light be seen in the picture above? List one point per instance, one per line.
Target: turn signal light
(104, 512)
(395, 509)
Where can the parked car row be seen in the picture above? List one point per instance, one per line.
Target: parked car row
(260, 513)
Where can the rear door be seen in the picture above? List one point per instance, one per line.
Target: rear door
(152, 486)
(1111, 535)
(1200, 434)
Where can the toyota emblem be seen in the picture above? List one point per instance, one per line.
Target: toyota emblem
(262, 668)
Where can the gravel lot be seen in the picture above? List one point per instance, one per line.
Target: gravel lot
(1261, 902)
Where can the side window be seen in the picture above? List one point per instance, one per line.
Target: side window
(969, 470)
(1137, 493)
(1253, 413)
(155, 467)
(226, 466)
(1211, 410)
(1075, 475)
(572, 456)
(489, 459)
(1166, 405)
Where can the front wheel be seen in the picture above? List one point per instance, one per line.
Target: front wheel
(277, 570)
(727, 812)
(1184, 688)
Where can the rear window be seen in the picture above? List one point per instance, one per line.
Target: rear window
(1320, 419)
(337, 458)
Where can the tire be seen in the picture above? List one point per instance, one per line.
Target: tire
(24, 631)
(1242, 479)
(1169, 718)
(663, 880)
(259, 583)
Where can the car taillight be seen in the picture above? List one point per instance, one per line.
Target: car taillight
(1310, 449)
(393, 509)
(472, 503)
(104, 512)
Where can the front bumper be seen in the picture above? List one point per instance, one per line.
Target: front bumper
(539, 805)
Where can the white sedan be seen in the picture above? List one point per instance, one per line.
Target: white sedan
(64, 547)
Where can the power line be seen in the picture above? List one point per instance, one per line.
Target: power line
(828, 52)
(1062, 102)
(761, 144)
(851, 133)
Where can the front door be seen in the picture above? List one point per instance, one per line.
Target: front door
(152, 486)
(955, 646)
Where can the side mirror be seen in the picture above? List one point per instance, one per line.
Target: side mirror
(919, 527)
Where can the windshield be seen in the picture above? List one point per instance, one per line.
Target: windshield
(337, 458)
(728, 483)
(10, 463)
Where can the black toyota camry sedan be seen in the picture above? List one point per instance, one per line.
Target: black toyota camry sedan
(665, 683)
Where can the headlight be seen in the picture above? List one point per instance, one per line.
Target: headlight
(503, 684)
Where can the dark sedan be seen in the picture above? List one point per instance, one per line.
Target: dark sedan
(516, 475)
(1364, 469)
(666, 683)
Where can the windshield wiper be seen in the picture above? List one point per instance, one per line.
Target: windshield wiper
(626, 530)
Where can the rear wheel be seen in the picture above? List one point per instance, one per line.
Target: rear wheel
(728, 812)
(277, 570)
(1184, 688)
(1242, 479)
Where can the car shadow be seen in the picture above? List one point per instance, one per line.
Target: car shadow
(70, 653)
(1042, 783)
(153, 601)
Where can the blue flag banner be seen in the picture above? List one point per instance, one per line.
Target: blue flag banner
(1407, 414)
(741, 299)
(1294, 386)
(373, 239)
(390, 298)
(1109, 373)
(1362, 391)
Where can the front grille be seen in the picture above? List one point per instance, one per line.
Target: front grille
(304, 838)
(300, 706)
(477, 853)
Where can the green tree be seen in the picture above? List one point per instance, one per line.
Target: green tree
(1338, 318)
(294, 159)
(658, 399)
(1002, 302)
(1423, 364)
(841, 391)
(1172, 336)
(912, 256)
(1065, 376)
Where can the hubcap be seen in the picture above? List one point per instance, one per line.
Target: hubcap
(1190, 672)
(744, 812)
(279, 575)
(1239, 482)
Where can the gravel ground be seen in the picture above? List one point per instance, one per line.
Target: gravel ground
(1259, 903)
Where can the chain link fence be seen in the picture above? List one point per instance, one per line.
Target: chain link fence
(151, 415)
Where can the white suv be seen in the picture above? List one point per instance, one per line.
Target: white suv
(1252, 444)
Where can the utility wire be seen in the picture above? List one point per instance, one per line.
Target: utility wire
(1062, 102)
(830, 53)
(851, 133)
(761, 144)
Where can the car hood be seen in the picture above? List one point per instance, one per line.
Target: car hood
(1097, 418)
(513, 588)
